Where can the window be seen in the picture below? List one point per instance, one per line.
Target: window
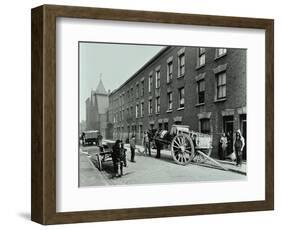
(205, 125)
(128, 94)
(181, 97)
(221, 85)
(142, 89)
(157, 105)
(157, 78)
(220, 52)
(169, 71)
(132, 92)
(201, 56)
(150, 83)
(137, 91)
(150, 106)
(170, 101)
(181, 65)
(142, 109)
(137, 111)
(201, 91)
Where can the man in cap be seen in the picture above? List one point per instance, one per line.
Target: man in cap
(238, 146)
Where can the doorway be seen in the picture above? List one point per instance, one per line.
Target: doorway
(228, 130)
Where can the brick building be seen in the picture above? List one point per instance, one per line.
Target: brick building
(204, 88)
(97, 110)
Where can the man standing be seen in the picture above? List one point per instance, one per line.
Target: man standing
(116, 158)
(133, 148)
(146, 144)
(238, 146)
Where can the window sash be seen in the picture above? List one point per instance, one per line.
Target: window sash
(150, 106)
(221, 51)
(170, 101)
(137, 91)
(169, 71)
(157, 105)
(181, 64)
(201, 51)
(221, 85)
(181, 97)
(137, 111)
(202, 59)
(157, 78)
(150, 79)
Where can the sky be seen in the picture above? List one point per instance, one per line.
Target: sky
(113, 63)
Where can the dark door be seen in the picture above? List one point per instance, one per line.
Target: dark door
(228, 130)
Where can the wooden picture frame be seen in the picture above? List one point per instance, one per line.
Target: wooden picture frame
(43, 205)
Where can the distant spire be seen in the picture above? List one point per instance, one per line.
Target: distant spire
(100, 88)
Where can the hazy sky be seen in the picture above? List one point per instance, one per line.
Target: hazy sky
(114, 62)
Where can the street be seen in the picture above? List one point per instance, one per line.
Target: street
(149, 170)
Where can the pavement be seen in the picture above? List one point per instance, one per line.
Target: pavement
(89, 173)
(148, 170)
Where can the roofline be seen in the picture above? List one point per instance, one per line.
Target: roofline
(142, 68)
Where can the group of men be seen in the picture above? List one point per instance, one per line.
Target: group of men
(119, 153)
(238, 146)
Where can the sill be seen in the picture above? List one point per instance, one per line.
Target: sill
(180, 76)
(182, 108)
(218, 57)
(220, 100)
(169, 111)
(199, 66)
(200, 104)
(150, 115)
(158, 113)
(169, 82)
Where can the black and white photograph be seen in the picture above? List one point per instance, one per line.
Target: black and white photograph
(161, 114)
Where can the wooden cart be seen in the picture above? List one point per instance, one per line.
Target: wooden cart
(104, 154)
(186, 145)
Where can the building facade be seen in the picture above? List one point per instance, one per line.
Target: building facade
(204, 88)
(97, 110)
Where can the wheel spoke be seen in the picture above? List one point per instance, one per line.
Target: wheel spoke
(176, 142)
(188, 152)
(181, 140)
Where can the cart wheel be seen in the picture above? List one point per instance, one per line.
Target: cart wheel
(198, 158)
(99, 162)
(182, 149)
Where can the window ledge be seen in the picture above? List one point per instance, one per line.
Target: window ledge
(157, 113)
(220, 100)
(169, 111)
(200, 104)
(200, 66)
(180, 76)
(220, 56)
(182, 108)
